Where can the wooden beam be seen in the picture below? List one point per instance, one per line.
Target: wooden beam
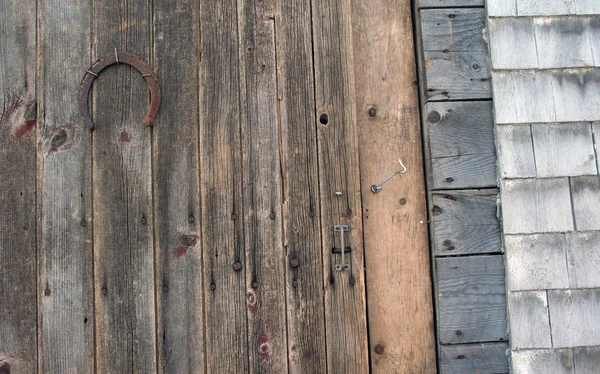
(179, 277)
(65, 282)
(18, 221)
(395, 219)
(337, 138)
(221, 190)
(299, 165)
(123, 202)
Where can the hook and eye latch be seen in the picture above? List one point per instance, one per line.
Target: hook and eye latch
(377, 187)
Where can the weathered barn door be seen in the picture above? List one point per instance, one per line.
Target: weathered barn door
(210, 242)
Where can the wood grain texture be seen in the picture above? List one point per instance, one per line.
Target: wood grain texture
(505, 53)
(563, 42)
(302, 231)
(123, 204)
(464, 171)
(563, 150)
(583, 259)
(65, 195)
(397, 257)
(465, 222)
(471, 299)
(573, 317)
(587, 359)
(556, 361)
(265, 273)
(179, 281)
(486, 358)
(515, 151)
(65, 284)
(337, 134)
(221, 191)
(587, 7)
(545, 7)
(529, 320)
(18, 221)
(456, 55)
(501, 7)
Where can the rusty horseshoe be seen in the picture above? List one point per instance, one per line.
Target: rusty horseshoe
(116, 58)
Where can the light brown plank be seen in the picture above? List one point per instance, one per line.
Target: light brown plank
(18, 223)
(179, 282)
(123, 211)
(337, 133)
(395, 219)
(65, 288)
(221, 190)
(302, 231)
(267, 340)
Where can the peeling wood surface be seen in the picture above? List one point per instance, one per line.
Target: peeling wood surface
(397, 259)
(18, 221)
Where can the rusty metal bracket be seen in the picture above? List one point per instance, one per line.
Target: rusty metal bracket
(117, 58)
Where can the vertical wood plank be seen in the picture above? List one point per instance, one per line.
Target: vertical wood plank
(18, 223)
(65, 288)
(221, 191)
(267, 340)
(396, 243)
(302, 231)
(123, 212)
(179, 282)
(337, 134)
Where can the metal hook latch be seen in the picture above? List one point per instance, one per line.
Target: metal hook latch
(377, 187)
(341, 229)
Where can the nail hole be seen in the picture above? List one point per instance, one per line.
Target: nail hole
(324, 119)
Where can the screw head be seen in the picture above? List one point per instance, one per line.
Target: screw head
(379, 349)
(47, 292)
(213, 286)
(294, 283)
(255, 284)
(237, 266)
(311, 214)
(191, 219)
(294, 262)
(372, 111)
(233, 217)
(104, 291)
(144, 220)
(83, 223)
(165, 289)
(272, 215)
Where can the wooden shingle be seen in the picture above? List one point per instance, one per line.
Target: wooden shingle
(586, 200)
(583, 259)
(529, 321)
(497, 8)
(515, 151)
(505, 52)
(562, 42)
(543, 361)
(574, 317)
(545, 7)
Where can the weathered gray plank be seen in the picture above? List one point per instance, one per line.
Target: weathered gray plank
(179, 281)
(471, 299)
(337, 135)
(123, 204)
(501, 7)
(457, 75)
(523, 97)
(536, 205)
(576, 90)
(543, 361)
(302, 231)
(587, 360)
(265, 275)
(545, 7)
(594, 35)
(226, 301)
(563, 150)
(529, 320)
(536, 262)
(487, 358)
(400, 317)
(506, 53)
(563, 42)
(587, 7)
(574, 317)
(460, 128)
(18, 222)
(583, 259)
(453, 30)
(449, 3)
(65, 284)
(585, 192)
(515, 151)
(456, 57)
(465, 222)
(464, 171)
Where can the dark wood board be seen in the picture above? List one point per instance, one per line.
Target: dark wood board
(18, 221)
(227, 297)
(401, 327)
(337, 137)
(179, 280)
(465, 222)
(299, 165)
(265, 269)
(123, 203)
(486, 358)
(65, 257)
(471, 299)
